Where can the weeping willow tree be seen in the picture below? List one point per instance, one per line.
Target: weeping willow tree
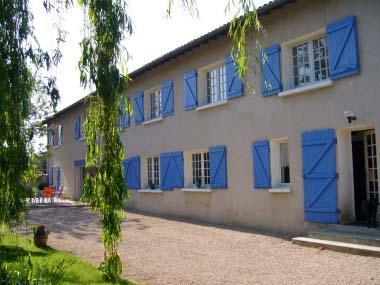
(106, 25)
(21, 64)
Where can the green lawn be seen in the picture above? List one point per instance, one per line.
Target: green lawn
(47, 262)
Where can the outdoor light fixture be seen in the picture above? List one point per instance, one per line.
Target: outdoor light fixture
(350, 116)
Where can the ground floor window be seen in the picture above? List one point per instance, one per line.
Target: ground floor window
(200, 169)
(153, 171)
(279, 162)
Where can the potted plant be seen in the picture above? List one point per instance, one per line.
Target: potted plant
(40, 235)
(151, 185)
(199, 182)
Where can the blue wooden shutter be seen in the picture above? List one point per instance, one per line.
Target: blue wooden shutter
(57, 177)
(261, 164)
(60, 134)
(124, 109)
(271, 70)
(319, 176)
(79, 162)
(77, 128)
(218, 167)
(132, 172)
(171, 170)
(235, 85)
(190, 90)
(51, 176)
(138, 99)
(342, 44)
(167, 95)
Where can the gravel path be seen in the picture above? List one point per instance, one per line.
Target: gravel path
(162, 251)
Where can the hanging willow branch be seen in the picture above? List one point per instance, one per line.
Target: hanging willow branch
(22, 63)
(107, 23)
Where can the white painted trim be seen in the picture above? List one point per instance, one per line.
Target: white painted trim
(198, 190)
(283, 188)
(211, 105)
(152, 121)
(150, 191)
(306, 37)
(306, 88)
(215, 64)
(153, 89)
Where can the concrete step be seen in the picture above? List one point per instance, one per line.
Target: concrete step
(344, 247)
(347, 237)
(351, 229)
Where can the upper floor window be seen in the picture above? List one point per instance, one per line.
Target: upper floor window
(155, 104)
(310, 62)
(216, 84)
(55, 135)
(213, 84)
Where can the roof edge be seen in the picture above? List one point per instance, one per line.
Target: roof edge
(214, 34)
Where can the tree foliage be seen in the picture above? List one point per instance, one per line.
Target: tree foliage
(21, 62)
(107, 24)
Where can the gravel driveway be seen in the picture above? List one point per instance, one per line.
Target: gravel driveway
(156, 250)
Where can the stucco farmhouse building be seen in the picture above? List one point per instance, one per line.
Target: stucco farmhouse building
(297, 150)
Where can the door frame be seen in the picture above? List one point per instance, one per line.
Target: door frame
(346, 194)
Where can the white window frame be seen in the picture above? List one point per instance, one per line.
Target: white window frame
(82, 121)
(203, 83)
(275, 166)
(287, 65)
(148, 105)
(144, 171)
(55, 129)
(188, 161)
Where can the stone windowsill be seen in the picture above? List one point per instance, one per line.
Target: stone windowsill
(150, 191)
(152, 121)
(282, 188)
(211, 105)
(306, 88)
(198, 190)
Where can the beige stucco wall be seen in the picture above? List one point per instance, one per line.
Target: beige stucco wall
(250, 118)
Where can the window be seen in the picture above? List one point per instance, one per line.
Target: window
(200, 169)
(216, 84)
(279, 163)
(82, 121)
(284, 163)
(310, 62)
(155, 104)
(51, 137)
(153, 165)
(55, 135)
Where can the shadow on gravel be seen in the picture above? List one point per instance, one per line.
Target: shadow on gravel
(257, 231)
(77, 222)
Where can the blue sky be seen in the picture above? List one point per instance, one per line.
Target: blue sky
(153, 35)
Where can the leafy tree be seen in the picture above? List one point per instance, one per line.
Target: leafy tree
(22, 63)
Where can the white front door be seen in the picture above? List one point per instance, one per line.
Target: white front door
(371, 164)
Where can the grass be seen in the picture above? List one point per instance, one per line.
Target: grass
(15, 249)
